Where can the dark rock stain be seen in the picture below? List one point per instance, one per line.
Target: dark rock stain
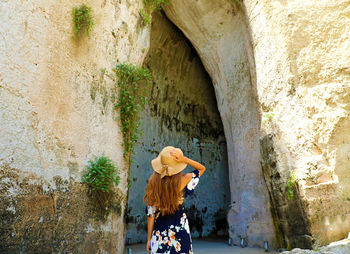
(173, 97)
(195, 220)
(292, 227)
(221, 225)
(34, 220)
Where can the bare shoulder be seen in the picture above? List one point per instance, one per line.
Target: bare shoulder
(185, 179)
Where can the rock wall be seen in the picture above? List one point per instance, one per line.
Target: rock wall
(57, 112)
(280, 74)
(339, 247)
(279, 58)
(292, 224)
(217, 31)
(182, 112)
(302, 70)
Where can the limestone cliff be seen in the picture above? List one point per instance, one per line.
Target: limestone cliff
(291, 71)
(56, 112)
(281, 79)
(217, 31)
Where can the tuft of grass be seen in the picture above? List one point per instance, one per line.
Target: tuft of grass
(291, 185)
(268, 116)
(101, 174)
(132, 81)
(83, 21)
(149, 7)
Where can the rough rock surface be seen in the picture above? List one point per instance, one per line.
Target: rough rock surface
(217, 31)
(341, 247)
(297, 66)
(56, 112)
(280, 74)
(182, 112)
(302, 75)
(291, 222)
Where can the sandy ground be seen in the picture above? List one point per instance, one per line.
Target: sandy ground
(206, 247)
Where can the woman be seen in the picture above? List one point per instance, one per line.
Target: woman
(168, 230)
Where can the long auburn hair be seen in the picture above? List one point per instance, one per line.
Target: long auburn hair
(164, 193)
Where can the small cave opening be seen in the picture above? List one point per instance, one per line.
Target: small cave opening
(181, 111)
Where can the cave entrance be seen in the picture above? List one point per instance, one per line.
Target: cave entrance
(182, 112)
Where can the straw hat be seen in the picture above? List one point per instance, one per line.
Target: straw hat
(165, 165)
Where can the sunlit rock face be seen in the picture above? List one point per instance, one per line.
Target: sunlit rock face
(216, 29)
(56, 113)
(181, 112)
(339, 247)
(302, 70)
(276, 66)
(280, 74)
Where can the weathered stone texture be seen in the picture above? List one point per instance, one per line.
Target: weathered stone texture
(297, 66)
(217, 31)
(302, 70)
(292, 225)
(286, 58)
(64, 218)
(340, 247)
(56, 112)
(182, 112)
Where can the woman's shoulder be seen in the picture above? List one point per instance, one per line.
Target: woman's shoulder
(188, 177)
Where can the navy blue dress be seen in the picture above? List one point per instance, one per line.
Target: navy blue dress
(171, 233)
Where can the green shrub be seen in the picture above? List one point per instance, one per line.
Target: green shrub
(102, 174)
(149, 7)
(82, 21)
(291, 185)
(131, 101)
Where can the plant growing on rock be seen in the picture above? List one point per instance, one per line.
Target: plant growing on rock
(130, 101)
(83, 21)
(291, 185)
(149, 7)
(268, 116)
(101, 174)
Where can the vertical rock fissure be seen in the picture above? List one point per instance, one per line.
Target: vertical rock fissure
(290, 219)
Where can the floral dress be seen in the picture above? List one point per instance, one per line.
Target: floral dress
(171, 233)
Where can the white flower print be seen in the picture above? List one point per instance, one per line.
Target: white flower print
(187, 228)
(150, 210)
(193, 183)
(182, 220)
(154, 244)
(173, 241)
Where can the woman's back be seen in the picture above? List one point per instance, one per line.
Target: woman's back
(168, 229)
(171, 232)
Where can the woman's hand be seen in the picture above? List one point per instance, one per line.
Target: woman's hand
(177, 156)
(148, 245)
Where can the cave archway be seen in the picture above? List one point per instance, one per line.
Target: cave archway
(219, 33)
(182, 112)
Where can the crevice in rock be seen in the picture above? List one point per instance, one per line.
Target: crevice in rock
(291, 221)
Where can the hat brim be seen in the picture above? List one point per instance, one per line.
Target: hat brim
(158, 166)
